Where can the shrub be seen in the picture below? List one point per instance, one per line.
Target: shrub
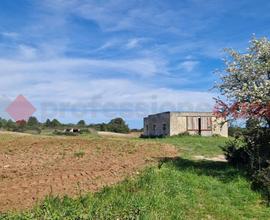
(186, 133)
(235, 153)
(236, 131)
(262, 178)
(216, 135)
(56, 132)
(85, 130)
(152, 136)
(79, 153)
(252, 154)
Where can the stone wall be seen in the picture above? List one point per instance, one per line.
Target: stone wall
(178, 124)
(157, 125)
(174, 123)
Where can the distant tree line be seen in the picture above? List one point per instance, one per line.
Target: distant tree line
(115, 125)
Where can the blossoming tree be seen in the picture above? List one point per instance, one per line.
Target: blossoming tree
(245, 83)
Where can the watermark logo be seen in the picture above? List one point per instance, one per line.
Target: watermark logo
(20, 109)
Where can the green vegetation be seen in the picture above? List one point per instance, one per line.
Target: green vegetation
(245, 86)
(117, 125)
(179, 188)
(79, 153)
(196, 145)
(81, 123)
(32, 121)
(55, 127)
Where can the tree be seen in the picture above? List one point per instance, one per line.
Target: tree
(102, 127)
(55, 123)
(21, 125)
(118, 125)
(48, 123)
(10, 125)
(245, 83)
(3, 122)
(32, 122)
(81, 123)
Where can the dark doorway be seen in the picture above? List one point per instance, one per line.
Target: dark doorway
(199, 126)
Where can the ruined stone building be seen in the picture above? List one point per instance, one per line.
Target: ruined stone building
(174, 123)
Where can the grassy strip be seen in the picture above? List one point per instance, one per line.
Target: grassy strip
(195, 145)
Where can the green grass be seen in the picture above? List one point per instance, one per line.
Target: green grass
(178, 188)
(79, 153)
(196, 145)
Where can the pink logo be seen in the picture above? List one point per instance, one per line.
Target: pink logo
(20, 109)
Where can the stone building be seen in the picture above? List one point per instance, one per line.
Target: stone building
(174, 123)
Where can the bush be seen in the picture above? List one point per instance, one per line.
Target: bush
(33, 129)
(84, 131)
(64, 133)
(236, 131)
(235, 153)
(152, 136)
(252, 154)
(261, 179)
(186, 133)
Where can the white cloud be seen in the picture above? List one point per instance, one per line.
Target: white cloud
(12, 35)
(112, 43)
(72, 96)
(188, 65)
(58, 68)
(27, 52)
(144, 67)
(121, 43)
(132, 43)
(184, 18)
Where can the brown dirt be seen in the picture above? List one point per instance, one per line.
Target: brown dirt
(218, 158)
(32, 167)
(113, 134)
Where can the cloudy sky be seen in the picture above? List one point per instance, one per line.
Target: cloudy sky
(95, 60)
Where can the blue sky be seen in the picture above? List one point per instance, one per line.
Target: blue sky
(97, 60)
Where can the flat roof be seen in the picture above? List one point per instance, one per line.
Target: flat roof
(181, 112)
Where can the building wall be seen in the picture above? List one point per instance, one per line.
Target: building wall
(179, 122)
(176, 123)
(157, 125)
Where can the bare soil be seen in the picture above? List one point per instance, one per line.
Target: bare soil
(113, 134)
(32, 167)
(218, 158)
